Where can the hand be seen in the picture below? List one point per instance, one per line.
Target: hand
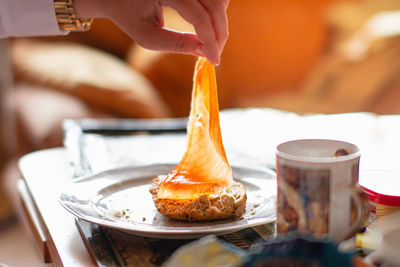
(143, 21)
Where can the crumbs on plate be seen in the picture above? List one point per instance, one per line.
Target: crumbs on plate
(126, 214)
(122, 213)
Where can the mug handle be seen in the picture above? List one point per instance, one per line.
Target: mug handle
(362, 209)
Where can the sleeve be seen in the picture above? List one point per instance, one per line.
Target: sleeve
(28, 18)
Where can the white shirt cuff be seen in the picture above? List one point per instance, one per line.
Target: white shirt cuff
(28, 18)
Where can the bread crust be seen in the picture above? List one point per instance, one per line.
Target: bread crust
(230, 203)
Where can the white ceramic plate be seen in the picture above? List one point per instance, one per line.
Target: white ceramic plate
(120, 199)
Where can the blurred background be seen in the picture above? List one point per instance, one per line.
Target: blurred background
(324, 56)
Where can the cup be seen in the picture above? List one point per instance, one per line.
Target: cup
(318, 188)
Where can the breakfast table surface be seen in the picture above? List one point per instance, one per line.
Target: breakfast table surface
(250, 137)
(45, 173)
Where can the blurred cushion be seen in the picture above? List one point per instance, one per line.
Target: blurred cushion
(39, 113)
(97, 78)
(171, 74)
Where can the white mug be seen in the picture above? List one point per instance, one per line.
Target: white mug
(317, 188)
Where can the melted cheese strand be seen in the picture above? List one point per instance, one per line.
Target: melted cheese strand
(204, 168)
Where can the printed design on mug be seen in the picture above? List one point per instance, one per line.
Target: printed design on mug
(303, 199)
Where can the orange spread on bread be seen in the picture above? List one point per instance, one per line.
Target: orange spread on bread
(204, 168)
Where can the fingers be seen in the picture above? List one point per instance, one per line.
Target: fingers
(217, 11)
(196, 14)
(161, 39)
(143, 21)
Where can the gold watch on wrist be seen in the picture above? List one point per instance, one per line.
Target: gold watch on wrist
(67, 19)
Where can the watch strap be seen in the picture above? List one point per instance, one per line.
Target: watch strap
(67, 19)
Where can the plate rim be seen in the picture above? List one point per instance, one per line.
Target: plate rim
(177, 232)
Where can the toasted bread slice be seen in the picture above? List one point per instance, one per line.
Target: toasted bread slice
(230, 203)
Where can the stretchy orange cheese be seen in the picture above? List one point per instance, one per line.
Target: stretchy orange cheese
(204, 168)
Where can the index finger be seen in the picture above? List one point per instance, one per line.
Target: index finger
(217, 11)
(194, 12)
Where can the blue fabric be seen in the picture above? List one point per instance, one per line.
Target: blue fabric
(303, 248)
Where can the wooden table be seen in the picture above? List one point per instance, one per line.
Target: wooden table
(44, 175)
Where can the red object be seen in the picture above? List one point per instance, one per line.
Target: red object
(384, 199)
